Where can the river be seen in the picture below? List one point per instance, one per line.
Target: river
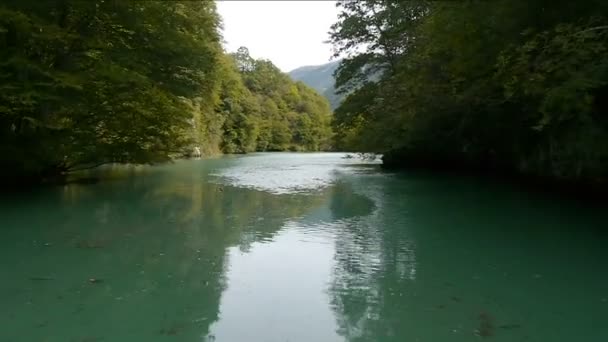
(299, 247)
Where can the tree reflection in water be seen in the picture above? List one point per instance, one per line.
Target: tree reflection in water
(156, 242)
(372, 265)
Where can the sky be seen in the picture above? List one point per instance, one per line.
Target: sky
(289, 33)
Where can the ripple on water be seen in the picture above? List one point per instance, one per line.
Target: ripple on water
(288, 173)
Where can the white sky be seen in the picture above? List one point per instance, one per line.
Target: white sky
(289, 33)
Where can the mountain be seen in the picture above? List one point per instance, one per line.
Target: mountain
(320, 77)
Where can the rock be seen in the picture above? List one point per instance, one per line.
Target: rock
(196, 152)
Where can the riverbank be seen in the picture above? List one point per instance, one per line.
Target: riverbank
(582, 189)
(23, 183)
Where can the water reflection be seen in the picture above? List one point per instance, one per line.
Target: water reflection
(144, 257)
(178, 253)
(277, 291)
(453, 259)
(372, 263)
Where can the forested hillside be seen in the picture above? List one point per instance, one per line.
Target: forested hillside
(83, 83)
(320, 78)
(517, 86)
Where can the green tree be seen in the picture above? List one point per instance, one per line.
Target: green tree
(270, 112)
(83, 83)
(86, 83)
(512, 85)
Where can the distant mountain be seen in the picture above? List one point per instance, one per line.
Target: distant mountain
(320, 77)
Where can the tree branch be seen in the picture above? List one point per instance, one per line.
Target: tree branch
(597, 28)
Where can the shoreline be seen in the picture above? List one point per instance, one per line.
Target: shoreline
(578, 190)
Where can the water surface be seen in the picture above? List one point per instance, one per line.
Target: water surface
(298, 247)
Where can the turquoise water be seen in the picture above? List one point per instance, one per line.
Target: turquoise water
(299, 247)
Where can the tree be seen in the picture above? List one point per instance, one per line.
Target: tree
(267, 111)
(88, 83)
(510, 85)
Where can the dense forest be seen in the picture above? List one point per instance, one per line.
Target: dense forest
(516, 86)
(84, 83)
(512, 85)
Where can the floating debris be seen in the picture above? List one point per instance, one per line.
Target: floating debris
(486, 325)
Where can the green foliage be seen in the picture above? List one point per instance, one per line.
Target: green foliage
(84, 83)
(267, 111)
(516, 85)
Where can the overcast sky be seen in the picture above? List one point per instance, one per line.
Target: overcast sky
(289, 33)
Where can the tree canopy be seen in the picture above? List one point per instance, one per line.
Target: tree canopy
(84, 83)
(511, 85)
